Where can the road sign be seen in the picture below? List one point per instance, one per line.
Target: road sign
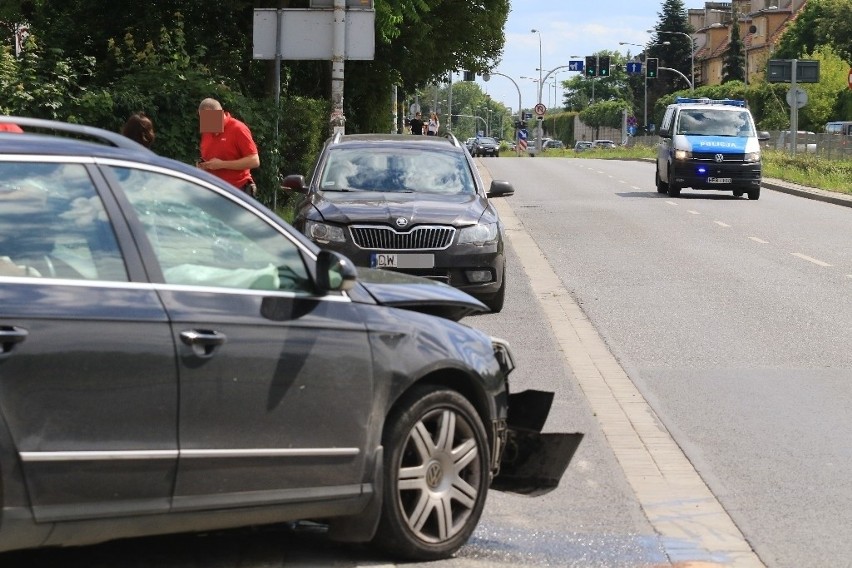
(634, 68)
(540, 109)
(799, 96)
(575, 65)
(781, 71)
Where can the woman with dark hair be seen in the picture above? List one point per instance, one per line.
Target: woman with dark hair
(139, 128)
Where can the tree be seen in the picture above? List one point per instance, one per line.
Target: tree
(819, 23)
(733, 64)
(672, 49)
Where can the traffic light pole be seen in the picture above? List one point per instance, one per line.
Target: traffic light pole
(688, 82)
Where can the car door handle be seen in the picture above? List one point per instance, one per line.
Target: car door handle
(10, 336)
(203, 341)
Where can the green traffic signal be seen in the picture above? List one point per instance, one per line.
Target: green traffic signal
(603, 66)
(591, 66)
(651, 68)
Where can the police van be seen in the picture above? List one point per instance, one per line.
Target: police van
(709, 144)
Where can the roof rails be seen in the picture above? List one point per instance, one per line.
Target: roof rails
(98, 134)
(706, 101)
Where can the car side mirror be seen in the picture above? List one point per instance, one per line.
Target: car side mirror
(763, 135)
(294, 182)
(500, 188)
(335, 272)
(665, 133)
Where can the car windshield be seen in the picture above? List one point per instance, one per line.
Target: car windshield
(487, 140)
(396, 169)
(715, 122)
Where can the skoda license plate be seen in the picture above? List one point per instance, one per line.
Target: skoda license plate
(393, 260)
(719, 180)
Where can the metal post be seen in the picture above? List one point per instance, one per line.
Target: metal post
(450, 106)
(794, 110)
(338, 55)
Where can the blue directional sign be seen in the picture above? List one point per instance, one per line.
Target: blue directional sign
(575, 66)
(634, 68)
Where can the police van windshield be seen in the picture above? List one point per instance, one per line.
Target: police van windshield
(714, 122)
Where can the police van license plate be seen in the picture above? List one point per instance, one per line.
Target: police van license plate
(719, 180)
(392, 260)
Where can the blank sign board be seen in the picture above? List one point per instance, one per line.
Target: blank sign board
(309, 33)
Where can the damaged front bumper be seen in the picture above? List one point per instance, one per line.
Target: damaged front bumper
(532, 463)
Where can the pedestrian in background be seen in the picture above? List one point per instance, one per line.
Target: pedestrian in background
(434, 124)
(139, 128)
(417, 124)
(227, 147)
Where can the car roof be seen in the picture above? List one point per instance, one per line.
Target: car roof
(404, 140)
(52, 138)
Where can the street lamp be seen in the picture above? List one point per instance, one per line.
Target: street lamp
(645, 73)
(691, 80)
(538, 130)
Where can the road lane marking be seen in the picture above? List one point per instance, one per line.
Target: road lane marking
(810, 259)
(690, 521)
(761, 241)
(722, 224)
(694, 212)
(672, 203)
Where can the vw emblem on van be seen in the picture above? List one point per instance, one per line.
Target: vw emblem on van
(719, 157)
(401, 222)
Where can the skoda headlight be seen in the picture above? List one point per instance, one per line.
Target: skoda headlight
(752, 157)
(478, 234)
(683, 155)
(323, 233)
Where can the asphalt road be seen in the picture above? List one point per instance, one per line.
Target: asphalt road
(733, 319)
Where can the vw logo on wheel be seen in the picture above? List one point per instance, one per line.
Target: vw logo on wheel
(433, 475)
(719, 157)
(401, 222)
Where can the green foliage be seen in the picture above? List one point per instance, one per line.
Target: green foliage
(560, 126)
(733, 64)
(607, 113)
(819, 23)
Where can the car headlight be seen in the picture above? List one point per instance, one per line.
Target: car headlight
(752, 157)
(683, 155)
(323, 233)
(478, 234)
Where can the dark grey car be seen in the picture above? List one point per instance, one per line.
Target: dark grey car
(484, 146)
(174, 357)
(410, 204)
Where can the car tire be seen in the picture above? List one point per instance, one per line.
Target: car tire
(496, 300)
(436, 470)
(754, 194)
(673, 188)
(661, 187)
(738, 193)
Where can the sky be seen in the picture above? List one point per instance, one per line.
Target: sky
(567, 28)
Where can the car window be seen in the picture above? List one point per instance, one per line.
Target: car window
(714, 122)
(201, 238)
(396, 170)
(53, 224)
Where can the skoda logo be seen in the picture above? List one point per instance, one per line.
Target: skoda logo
(719, 157)
(401, 222)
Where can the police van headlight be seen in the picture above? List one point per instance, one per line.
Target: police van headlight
(752, 157)
(683, 155)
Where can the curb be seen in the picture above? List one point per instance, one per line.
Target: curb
(808, 192)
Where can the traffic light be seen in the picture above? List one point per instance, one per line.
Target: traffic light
(469, 76)
(651, 68)
(591, 66)
(603, 66)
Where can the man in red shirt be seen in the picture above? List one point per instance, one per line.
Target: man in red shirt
(227, 147)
